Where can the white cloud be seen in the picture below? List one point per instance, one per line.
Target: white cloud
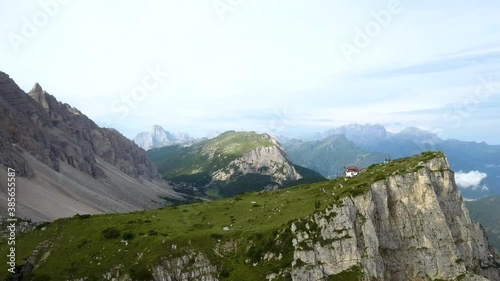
(470, 180)
(266, 54)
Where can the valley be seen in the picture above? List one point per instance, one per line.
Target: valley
(230, 140)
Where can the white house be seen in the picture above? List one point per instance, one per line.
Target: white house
(351, 171)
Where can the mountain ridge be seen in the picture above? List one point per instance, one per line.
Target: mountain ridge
(157, 137)
(463, 155)
(330, 155)
(229, 163)
(403, 220)
(63, 157)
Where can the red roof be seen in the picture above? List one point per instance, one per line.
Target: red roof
(351, 169)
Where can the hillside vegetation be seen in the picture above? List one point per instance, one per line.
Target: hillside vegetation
(486, 211)
(250, 224)
(207, 156)
(198, 169)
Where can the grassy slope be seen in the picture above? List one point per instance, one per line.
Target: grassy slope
(487, 212)
(194, 165)
(176, 160)
(80, 248)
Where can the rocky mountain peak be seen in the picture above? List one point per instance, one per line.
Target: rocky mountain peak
(39, 95)
(37, 88)
(156, 137)
(157, 129)
(55, 108)
(56, 133)
(418, 134)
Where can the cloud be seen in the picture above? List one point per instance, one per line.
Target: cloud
(470, 180)
(266, 55)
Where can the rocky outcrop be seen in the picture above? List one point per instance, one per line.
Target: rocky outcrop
(411, 226)
(54, 132)
(261, 160)
(398, 221)
(193, 266)
(408, 227)
(66, 164)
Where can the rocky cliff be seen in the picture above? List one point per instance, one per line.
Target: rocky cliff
(399, 221)
(158, 137)
(228, 164)
(408, 227)
(265, 160)
(58, 151)
(54, 132)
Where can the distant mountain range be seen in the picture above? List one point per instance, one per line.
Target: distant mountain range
(228, 164)
(332, 152)
(65, 164)
(330, 155)
(399, 220)
(159, 137)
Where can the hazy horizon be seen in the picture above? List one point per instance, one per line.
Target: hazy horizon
(286, 68)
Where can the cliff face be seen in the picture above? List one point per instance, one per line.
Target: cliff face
(158, 137)
(54, 132)
(408, 227)
(261, 160)
(65, 163)
(231, 163)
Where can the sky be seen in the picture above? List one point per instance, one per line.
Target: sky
(283, 67)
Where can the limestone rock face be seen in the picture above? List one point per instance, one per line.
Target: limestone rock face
(158, 137)
(407, 227)
(263, 160)
(411, 226)
(194, 266)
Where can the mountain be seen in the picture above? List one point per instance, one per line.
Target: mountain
(376, 138)
(330, 155)
(65, 164)
(158, 137)
(228, 164)
(486, 211)
(399, 221)
(464, 156)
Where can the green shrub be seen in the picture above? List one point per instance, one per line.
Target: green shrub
(42, 225)
(317, 204)
(41, 277)
(110, 233)
(140, 272)
(152, 232)
(127, 236)
(84, 216)
(216, 236)
(83, 243)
